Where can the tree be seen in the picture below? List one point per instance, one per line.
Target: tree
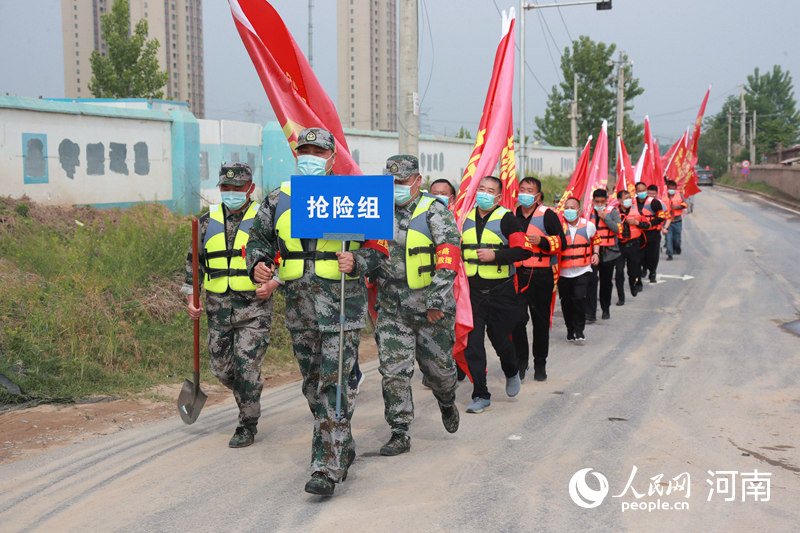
(597, 96)
(772, 97)
(712, 148)
(463, 133)
(130, 70)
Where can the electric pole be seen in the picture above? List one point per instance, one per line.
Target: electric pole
(729, 139)
(408, 126)
(743, 111)
(621, 64)
(753, 139)
(310, 34)
(574, 116)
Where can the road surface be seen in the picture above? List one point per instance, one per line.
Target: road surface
(695, 376)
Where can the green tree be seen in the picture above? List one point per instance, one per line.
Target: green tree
(712, 147)
(771, 95)
(597, 97)
(463, 133)
(130, 70)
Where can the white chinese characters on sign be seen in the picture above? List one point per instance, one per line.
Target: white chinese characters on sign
(754, 484)
(343, 207)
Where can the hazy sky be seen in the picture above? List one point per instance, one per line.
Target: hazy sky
(679, 47)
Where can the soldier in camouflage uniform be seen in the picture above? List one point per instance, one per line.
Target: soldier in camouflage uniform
(415, 304)
(239, 313)
(310, 273)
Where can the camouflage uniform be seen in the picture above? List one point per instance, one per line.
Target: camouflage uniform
(312, 318)
(402, 329)
(238, 330)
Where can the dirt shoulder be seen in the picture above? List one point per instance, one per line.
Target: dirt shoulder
(32, 431)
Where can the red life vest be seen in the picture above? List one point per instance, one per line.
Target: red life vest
(607, 236)
(540, 258)
(579, 249)
(633, 214)
(649, 214)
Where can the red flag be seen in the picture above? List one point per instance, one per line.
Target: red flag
(577, 184)
(652, 172)
(625, 175)
(494, 141)
(298, 99)
(598, 170)
(494, 130)
(698, 123)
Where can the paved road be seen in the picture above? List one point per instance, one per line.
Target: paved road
(694, 375)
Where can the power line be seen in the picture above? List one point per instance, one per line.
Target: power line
(564, 23)
(433, 52)
(547, 44)
(527, 66)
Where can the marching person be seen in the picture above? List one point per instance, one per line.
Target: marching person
(629, 239)
(492, 240)
(579, 255)
(415, 304)
(238, 311)
(310, 272)
(674, 226)
(653, 211)
(444, 191)
(607, 221)
(536, 276)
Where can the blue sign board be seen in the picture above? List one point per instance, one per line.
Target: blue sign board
(355, 205)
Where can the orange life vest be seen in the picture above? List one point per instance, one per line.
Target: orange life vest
(540, 258)
(675, 201)
(578, 251)
(606, 235)
(649, 214)
(633, 214)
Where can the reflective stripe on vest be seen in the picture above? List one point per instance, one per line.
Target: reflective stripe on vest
(227, 268)
(536, 227)
(604, 233)
(293, 257)
(420, 250)
(578, 252)
(491, 238)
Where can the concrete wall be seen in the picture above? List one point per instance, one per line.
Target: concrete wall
(782, 177)
(116, 153)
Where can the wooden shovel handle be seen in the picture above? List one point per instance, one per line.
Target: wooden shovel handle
(196, 292)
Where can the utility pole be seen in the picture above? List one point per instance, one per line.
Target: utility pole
(408, 127)
(310, 34)
(600, 5)
(250, 112)
(729, 139)
(753, 139)
(621, 64)
(743, 111)
(574, 116)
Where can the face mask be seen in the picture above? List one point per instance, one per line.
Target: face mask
(570, 214)
(599, 208)
(485, 200)
(445, 199)
(233, 200)
(627, 202)
(671, 191)
(311, 165)
(402, 194)
(527, 200)
(641, 195)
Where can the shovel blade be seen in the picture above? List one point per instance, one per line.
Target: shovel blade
(189, 403)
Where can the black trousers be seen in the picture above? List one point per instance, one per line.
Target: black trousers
(632, 258)
(651, 252)
(494, 314)
(572, 292)
(536, 300)
(602, 273)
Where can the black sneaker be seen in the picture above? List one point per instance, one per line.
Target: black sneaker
(539, 373)
(243, 437)
(449, 418)
(669, 258)
(320, 484)
(580, 337)
(570, 336)
(522, 372)
(399, 443)
(591, 319)
(634, 290)
(653, 279)
(606, 315)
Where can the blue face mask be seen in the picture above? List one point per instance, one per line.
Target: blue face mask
(641, 195)
(570, 214)
(527, 200)
(444, 199)
(233, 200)
(599, 208)
(627, 202)
(402, 194)
(485, 200)
(671, 191)
(311, 165)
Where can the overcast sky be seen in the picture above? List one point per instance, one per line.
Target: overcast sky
(679, 47)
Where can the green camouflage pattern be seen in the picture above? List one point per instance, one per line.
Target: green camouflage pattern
(318, 137)
(403, 332)
(312, 318)
(236, 174)
(238, 331)
(402, 166)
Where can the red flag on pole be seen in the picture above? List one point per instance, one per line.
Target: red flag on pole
(577, 184)
(297, 97)
(494, 141)
(598, 170)
(625, 174)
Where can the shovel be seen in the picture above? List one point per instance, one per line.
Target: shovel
(191, 399)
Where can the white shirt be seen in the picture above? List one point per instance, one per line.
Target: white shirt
(574, 272)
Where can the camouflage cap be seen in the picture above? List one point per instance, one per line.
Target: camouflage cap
(402, 166)
(236, 174)
(318, 137)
